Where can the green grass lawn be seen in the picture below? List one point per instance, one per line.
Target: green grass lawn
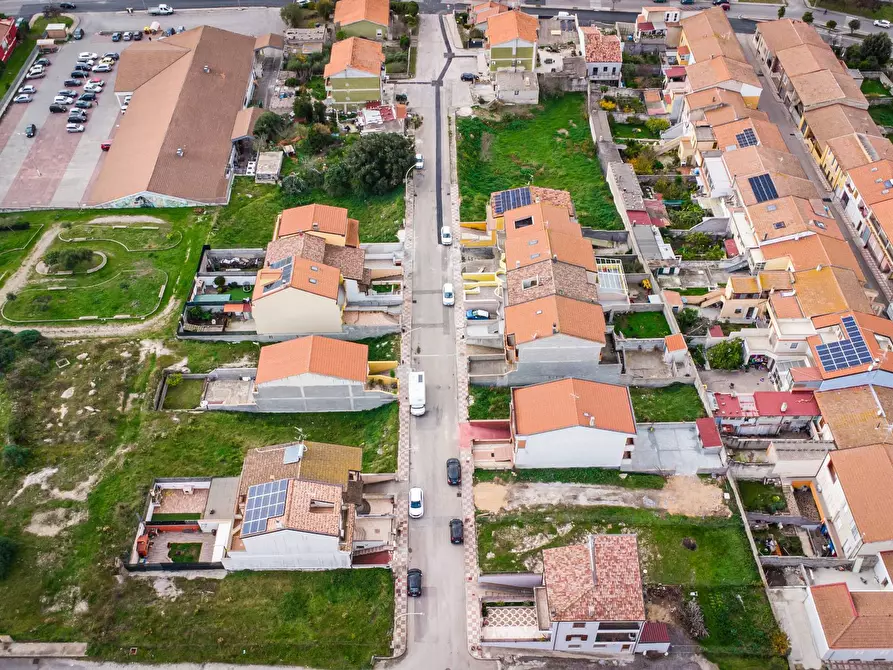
(185, 395)
(488, 402)
(882, 114)
(551, 147)
(743, 630)
(249, 218)
(135, 237)
(384, 348)
(16, 240)
(642, 325)
(16, 62)
(184, 516)
(184, 552)
(696, 290)
(873, 88)
(885, 11)
(759, 497)
(572, 476)
(677, 402)
(636, 131)
(40, 25)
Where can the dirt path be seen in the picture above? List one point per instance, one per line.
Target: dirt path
(127, 218)
(18, 279)
(689, 496)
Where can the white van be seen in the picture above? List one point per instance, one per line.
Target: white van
(416, 393)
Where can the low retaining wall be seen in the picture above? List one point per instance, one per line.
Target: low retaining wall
(349, 333)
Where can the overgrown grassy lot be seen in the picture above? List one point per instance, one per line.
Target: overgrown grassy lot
(642, 325)
(572, 476)
(185, 395)
(489, 402)
(550, 145)
(873, 88)
(882, 114)
(677, 402)
(759, 497)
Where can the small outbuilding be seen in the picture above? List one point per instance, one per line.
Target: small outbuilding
(269, 165)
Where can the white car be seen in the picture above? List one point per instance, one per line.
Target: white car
(62, 100)
(87, 55)
(446, 236)
(22, 97)
(419, 162)
(93, 88)
(27, 89)
(102, 67)
(416, 503)
(449, 297)
(882, 23)
(74, 128)
(36, 69)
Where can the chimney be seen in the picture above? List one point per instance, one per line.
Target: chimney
(207, 69)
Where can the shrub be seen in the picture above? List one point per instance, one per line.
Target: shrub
(727, 355)
(404, 42)
(854, 25)
(174, 380)
(220, 281)
(657, 125)
(607, 105)
(807, 18)
(340, 35)
(7, 555)
(831, 25)
(15, 456)
(291, 82)
(687, 318)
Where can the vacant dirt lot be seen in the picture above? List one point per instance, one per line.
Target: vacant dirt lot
(688, 496)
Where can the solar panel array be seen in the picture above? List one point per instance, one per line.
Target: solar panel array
(512, 199)
(846, 353)
(763, 188)
(265, 501)
(746, 138)
(286, 266)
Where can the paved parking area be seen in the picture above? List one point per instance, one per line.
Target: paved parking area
(54, 169)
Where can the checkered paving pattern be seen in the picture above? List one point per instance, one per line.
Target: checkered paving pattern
(512, 616)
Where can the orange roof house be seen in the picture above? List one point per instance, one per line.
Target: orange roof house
(851, 620)
(330, 223)
(566, 403)
(351, 12)
(551, 316)
(355, 55)
(315, 355)
(511, 26)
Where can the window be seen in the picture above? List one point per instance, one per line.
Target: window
(737, 311)
(579, 625)
(627, 455)
(630, 441)
(576, 638)
(794, 345)
(605, 69)
(530, 283)
(832, 471)
(523, 223)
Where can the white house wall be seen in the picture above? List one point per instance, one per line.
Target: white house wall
(565, 630)
(288, 550)
(838, 511)
(815, 626)
(293, 311)
(575, 447)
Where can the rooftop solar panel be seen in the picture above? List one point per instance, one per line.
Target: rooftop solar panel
(746, 138)
(847, 353)
(265, 501)
(763, 188)
(511, 199)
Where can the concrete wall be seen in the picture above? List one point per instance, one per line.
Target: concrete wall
(575, 447)
(278, 397)
(567, 638)
(838, 512)
(288, 550)
(290, 310)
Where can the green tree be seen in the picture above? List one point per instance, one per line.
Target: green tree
(324, 9)
(781, 11)
(319, 137)
(303, 109)
(302, 181)
(831, 25)
(378, 163)
(727, 355)
(687, 318)
(292, 15)
(404, 42)
(270, 127)
(854, 25)
(7, 556)
(337, 181)
(15, 456)
(657, 125)
(340, 35)
(806, 18)
(876, 47)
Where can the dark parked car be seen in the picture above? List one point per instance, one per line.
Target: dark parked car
(78, 34)
(67, 5)
(87, 96)
(30, 130)
(137, 36)
(43, 61)
(457, 531)
(414, 583)
(116, 37)
(114, 55)
(83, 104)
(72, 82)
(468, 76)
(80, 74)
(454, 472)
(58, 109)
(401, 97)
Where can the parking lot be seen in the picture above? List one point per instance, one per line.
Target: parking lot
(56, 168)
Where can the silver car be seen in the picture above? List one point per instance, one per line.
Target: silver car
(74, 128)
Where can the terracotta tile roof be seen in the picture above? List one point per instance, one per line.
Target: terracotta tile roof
(871, 181)
(883, 212)
(787, 33)
(824, 86)
(553, 315)
(313, 355)
(672, 298)
(530, 245)
(350, 260)
(654, 632)
(887, 558)
(857, 149)
(355, 53)
(176, 105)
(875, 331)
(744, 284)
(306, 275)
(675, 342)
(352, 11)
(596, 581)
(767, 134)
(785, 306)
(483, 12)
(709, 73)
(866, 476)
(775, 279)
(832, 121)
(543, 215)
(513, 25)
(567, 403)
(549, 196)
(550, 278)
(806, 252)
(828, 291)
(854, 619)
(852, 414)
(311, 247)
(244, 124)
(727, 114)
(806, 58)
(713, 97)
(271, 40)
(320, 218)
(787, 216)
(601, 48)
(709, 34)
(708, 432)
(325, 463)
(785, 170)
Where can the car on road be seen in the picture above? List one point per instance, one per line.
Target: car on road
(102, 67)
(62, 100)
(73, 82)
(457, 531)
(22, 97)
(97, 80)
(882, 23)
(476, 314)
(446, 236)
(468, 76)
(161, 10)
(83, 104)
(687, 2)
(67, 5)
(27, 89)
(116, 37)
(413, 582)
(83, 67)
(79, 74)
(419, 162)
(449, 296)
(80, 114)
(78, 34)
(93, 88)
(58, 109)
(74, 128)
(89, 95)
(30, 130)
(454, 472)
(36, 69)
(416, 503)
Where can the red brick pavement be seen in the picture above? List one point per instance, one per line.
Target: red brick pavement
(8, 123)
(43, 167)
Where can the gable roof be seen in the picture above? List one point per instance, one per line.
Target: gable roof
(513, 25)
(353, 11)
(786, 33)
(355, 53)
(306, 275)
(829, 290)
(767, 134)
(708, 73)
(320, 462)
(601, 48)
(786, 216)
(596, 581)
(320, 218)
(531, 245)
(826, 123)
(555, 315)
(543, 215)
(709, 34)
(857, 149)
(805, 252)
(854, 619)
(857, 416)
(874, 181)
(177, 105)
(866, 477)
(482, 12)
(566, 403)
(314, 355)
(826, 86)
(806, 58)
